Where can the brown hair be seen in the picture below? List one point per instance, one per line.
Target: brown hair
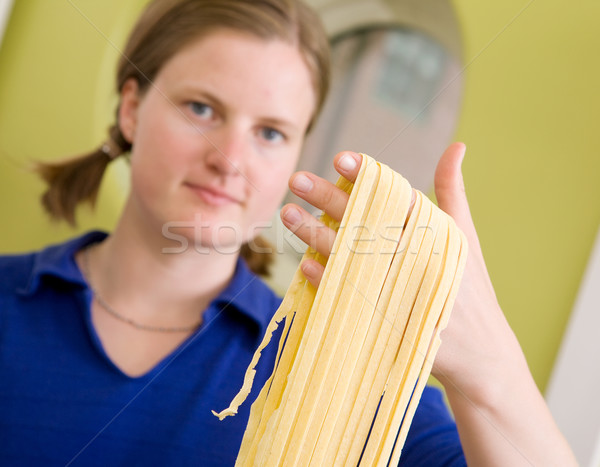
(164, 28)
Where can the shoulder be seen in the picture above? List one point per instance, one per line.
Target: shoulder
(22, 272)
(15, 271)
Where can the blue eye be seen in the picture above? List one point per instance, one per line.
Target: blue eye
(272, 135)
(202, 110)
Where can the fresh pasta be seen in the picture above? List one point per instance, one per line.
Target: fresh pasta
(359, 349)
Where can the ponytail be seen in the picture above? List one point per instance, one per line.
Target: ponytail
(76, 180)
(258, 254)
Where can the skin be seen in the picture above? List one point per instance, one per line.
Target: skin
(213, 148)
(501, 416)
(217, 141)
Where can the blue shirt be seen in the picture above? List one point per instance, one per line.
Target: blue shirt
(63, 402)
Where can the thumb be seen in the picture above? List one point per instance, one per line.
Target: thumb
(450, 189)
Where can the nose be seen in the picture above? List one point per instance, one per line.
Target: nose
(228, 151)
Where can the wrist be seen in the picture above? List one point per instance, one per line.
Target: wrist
(504, 381)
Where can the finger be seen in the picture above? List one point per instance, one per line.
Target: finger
(308, 229)
(450, 189)
(319, 192)
(313, 271)
(347, 164)
(452, 198)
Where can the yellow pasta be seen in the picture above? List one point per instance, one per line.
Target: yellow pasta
(359, 349)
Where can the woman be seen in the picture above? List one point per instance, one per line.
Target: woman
(116, 348)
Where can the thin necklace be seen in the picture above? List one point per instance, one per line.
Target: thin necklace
(111, 310)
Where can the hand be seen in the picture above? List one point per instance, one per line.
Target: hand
(501, 416)
(469, 360)
(478, 345)
(326, 197)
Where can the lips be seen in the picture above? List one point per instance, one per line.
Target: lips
(213, 196)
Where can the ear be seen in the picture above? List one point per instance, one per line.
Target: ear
(128, 109)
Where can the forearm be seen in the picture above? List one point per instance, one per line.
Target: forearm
(509, 424)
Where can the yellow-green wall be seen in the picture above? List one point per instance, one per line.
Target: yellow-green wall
(57, 64)
(529, 120)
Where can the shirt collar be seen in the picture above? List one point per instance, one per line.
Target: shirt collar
(246, 292)
(59, 261)
(249, 295)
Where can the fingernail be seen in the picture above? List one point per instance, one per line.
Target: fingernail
(462, 156)
(292, 216)
(302, 183)
(309, 269)
(347, 163)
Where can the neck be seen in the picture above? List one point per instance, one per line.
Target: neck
(152, 280)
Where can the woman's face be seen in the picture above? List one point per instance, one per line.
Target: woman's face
(216, 137)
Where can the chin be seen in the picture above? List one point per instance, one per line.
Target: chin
(180, 237)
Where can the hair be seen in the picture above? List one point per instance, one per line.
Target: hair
(162, 30)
